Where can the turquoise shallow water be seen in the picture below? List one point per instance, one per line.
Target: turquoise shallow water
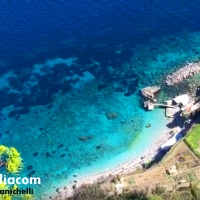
(61, 154)
(72, 135)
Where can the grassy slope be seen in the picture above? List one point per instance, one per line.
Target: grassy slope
(193, 139)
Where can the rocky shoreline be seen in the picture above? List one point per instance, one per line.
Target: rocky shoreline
(187, 71)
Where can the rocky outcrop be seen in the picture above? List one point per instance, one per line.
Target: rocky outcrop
(84, 138)
(185, 72)
(149, 92)
(111, 115)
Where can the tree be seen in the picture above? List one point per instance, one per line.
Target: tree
(11, 160)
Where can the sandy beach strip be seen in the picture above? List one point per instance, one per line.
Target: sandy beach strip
(125, 168)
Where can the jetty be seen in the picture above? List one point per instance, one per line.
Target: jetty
(150, 105)
(183, 105)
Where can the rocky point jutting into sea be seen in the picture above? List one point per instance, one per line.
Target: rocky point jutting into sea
(187, 71)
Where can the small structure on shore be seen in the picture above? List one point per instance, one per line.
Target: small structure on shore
(182, 99)
(184, 102)
(181, 106)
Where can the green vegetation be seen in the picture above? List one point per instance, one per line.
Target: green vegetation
(193, 139)
(90, 192)
(95, 192)
(10, 159)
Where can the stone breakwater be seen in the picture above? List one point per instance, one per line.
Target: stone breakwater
(185, 72)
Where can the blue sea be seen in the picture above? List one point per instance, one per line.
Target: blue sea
(66, 65)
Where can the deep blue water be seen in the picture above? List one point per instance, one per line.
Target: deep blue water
(85, 29)
(27, 25)
(31, 32)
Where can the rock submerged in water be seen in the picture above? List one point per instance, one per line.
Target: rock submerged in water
(84, 138)
(111, 115)
(148, 125)
(98, 147)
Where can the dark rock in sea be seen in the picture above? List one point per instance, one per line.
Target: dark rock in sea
(7, 132)
(84, 138)
(74, 186)
(35, 154)
(31, 173)
(98, 147)
(48, 154)
(66, 149)
(49, 106)
(148, 125)
(120, 89)
(17, 117)
(53, 151)
(29, 167)
(63, 155)
(61, 145)
(0, 135)
(18, 111)
(15, 83)
(102, 86)
(153, 49)
(127, 94)
(111, 115)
